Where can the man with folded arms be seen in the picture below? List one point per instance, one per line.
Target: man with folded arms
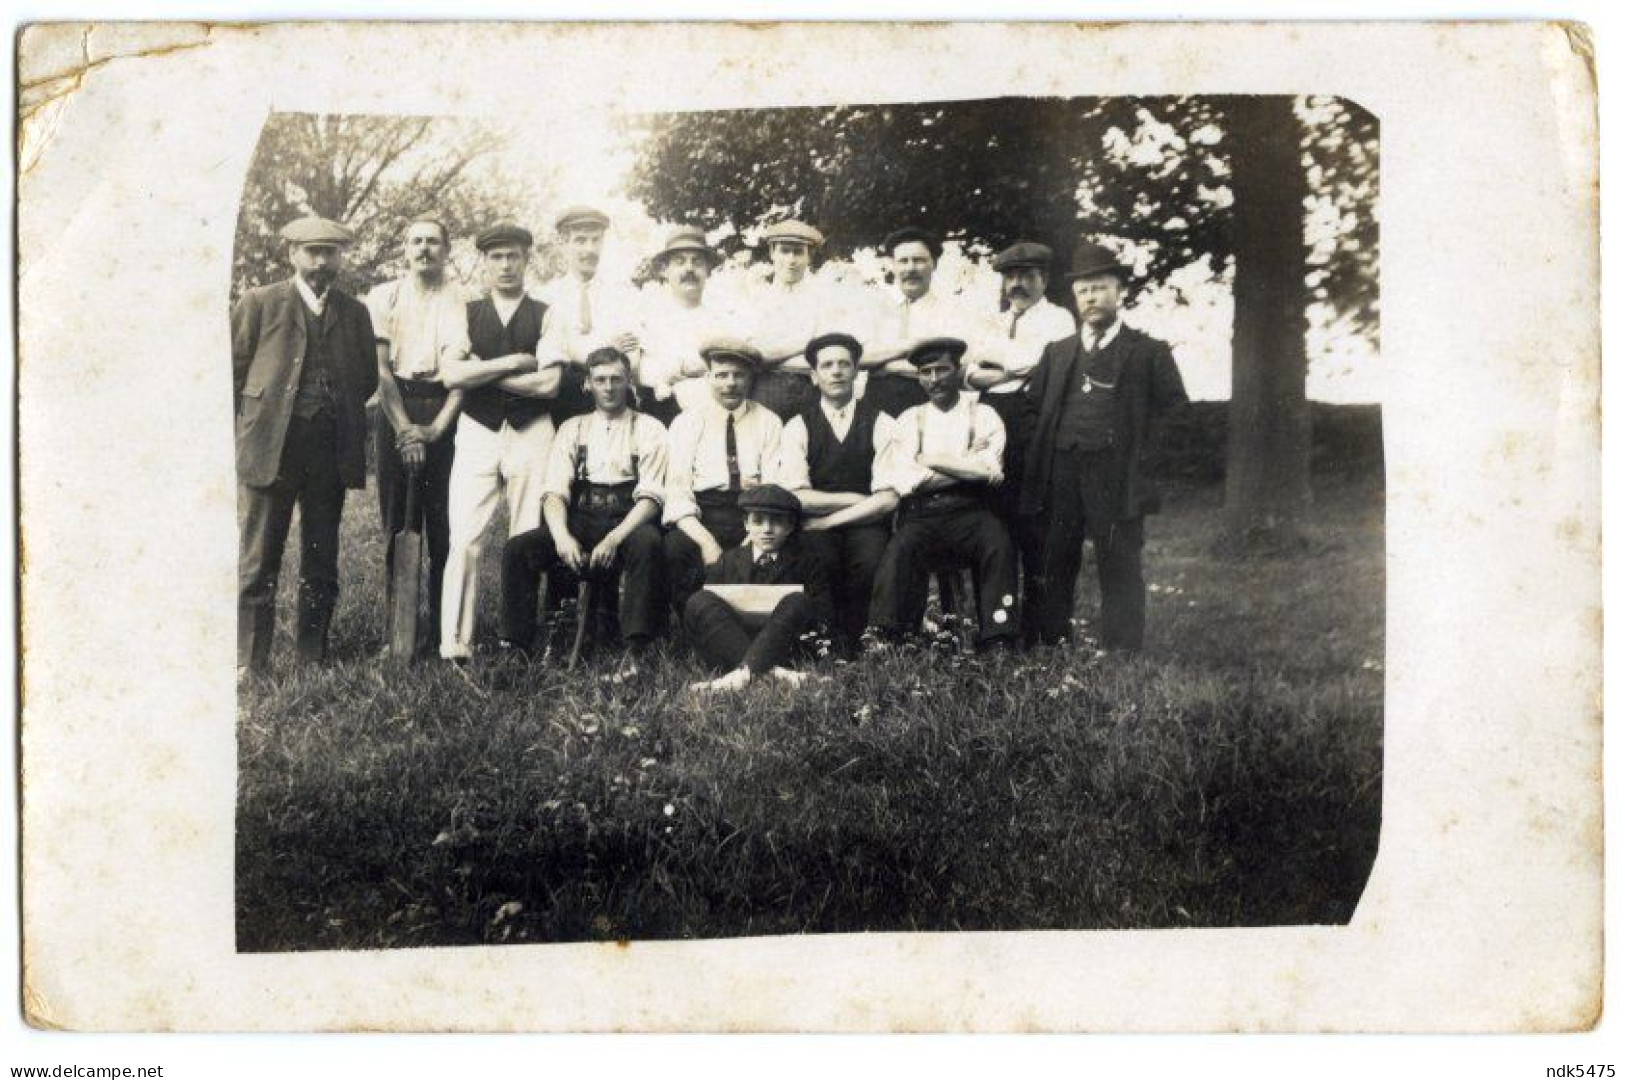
(828, 459)
(677, 320)
(945, 458)
(303, 365)
(770, 556)
(503, 436)
(422, 324)
(602, 492)
(907, 315)
(718, 450)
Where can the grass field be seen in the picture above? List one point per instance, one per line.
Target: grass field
(1231, 776)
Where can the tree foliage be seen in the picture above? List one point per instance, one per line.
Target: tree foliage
(373, 173)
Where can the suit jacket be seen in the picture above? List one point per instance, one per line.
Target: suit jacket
(797, 564)
(267, 347)
(1148, 386)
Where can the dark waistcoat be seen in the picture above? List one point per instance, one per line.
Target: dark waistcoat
(834, 465)
(491, 405)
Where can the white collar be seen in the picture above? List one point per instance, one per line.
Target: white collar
(317, 304)
(1104, 337)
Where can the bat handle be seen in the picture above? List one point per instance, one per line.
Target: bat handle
(414, 500)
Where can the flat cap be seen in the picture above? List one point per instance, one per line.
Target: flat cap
(931, 348)
(824, 341)
(1091, 260)
(578, 216)
(687, 238)
(505, 233)
(771, 498)
(316, 230)
(731, 348)
(795, 231)
(913, 234)
(1023, 254)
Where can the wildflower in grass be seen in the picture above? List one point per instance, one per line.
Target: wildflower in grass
(668, 810)
(507, 911)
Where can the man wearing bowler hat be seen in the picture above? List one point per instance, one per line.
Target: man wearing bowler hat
(792, 309)
(832, 458)
(303, 366)
(718, 450)
(677, 320)
(505, 431)
(1096, 395)
(771, 554)
(908, 314)
(588, 310)
(945, 459)
(1025, 324)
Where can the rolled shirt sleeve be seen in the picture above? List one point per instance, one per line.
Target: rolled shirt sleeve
(560, 468)
(681, 444)
(650, 438)
(794, 473)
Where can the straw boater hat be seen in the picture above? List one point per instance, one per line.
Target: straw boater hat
(685, 238)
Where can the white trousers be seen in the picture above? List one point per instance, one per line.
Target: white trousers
(488, 465)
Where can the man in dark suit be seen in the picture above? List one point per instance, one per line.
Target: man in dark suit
(303, 366)
(772, 554)
(1096, 395)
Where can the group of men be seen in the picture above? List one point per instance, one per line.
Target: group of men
(662, 444)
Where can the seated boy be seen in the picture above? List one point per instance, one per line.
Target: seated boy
(772, 554)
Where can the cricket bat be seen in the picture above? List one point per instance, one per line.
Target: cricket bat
(407, 574)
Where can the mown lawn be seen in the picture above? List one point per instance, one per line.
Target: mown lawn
(1231, 776)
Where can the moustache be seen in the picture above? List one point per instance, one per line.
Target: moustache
(689, 278)
(1018, 291)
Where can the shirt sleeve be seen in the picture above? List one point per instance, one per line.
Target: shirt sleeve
(880, 478)
(381, 306)
(902, 473)
(650, 440)
(794, 473)
(990, 438)
(557, 474)
(683, 441)
(454, 327)
(767, 464)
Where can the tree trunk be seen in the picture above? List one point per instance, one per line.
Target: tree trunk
(1267, 476)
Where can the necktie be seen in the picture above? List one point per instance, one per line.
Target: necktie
(586, 311)
(1091, 340)
(908, 306)
(732, 446)
(1015, 317)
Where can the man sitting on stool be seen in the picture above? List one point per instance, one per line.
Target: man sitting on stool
(771, 555)
(601, 497)
(944, 458)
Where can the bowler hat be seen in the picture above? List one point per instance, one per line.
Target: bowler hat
(824, 341)
(317, 230)
(771, 498)
(1090, 260)
(574, 216)
(1023, 254)
(686, 238)
(731, 348)
(505, 233)
(931, 348)
(795, 231)
(914, 234)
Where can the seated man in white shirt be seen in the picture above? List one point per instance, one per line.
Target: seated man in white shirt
(829, 459)
(602, 491)
(718, 450)
(945, 458)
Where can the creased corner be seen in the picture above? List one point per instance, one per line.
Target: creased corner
(1584, 45)
(37, 1012)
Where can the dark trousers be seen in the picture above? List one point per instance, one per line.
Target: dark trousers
(853, 555)
(685, 566)
(1080, 506)
(925, 543)
(893, 393)
(434, 485)
(725, 643)
(307, 476)
(665, 411)
(638, 571)
(1006, 501)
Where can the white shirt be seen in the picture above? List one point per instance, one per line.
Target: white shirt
(969, 426)
(609, 444)
(316, 304)
(1018, 352)
(698, 460)
(672, 334)
(505, 307)
(795, 471)
(420, 324)
(612, 306)
(935, 314)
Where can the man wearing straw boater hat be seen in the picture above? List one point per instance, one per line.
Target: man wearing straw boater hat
(719, 450)
(676, 322)
(303, 366)
(602, 491)
(1096, 394)
(506, 428)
